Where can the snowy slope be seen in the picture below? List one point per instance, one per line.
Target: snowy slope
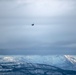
(62, 61)
(32, 69)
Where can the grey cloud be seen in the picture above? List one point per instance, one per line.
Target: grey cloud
(51, 34)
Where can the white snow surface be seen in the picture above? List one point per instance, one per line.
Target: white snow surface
(62, 61)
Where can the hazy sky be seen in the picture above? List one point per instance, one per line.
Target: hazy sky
(54, 31)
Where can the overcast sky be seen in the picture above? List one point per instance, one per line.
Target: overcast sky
(54, 31)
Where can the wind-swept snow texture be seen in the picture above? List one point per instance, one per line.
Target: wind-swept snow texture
(38, 65)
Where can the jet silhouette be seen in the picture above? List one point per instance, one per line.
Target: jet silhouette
(32, 24)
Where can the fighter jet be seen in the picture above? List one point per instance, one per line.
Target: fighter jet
(32, 24)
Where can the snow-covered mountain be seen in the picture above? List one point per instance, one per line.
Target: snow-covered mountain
(38, 65)
(63, 61)
(32, 69)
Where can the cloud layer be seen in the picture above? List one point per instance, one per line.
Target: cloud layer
(54, 30)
